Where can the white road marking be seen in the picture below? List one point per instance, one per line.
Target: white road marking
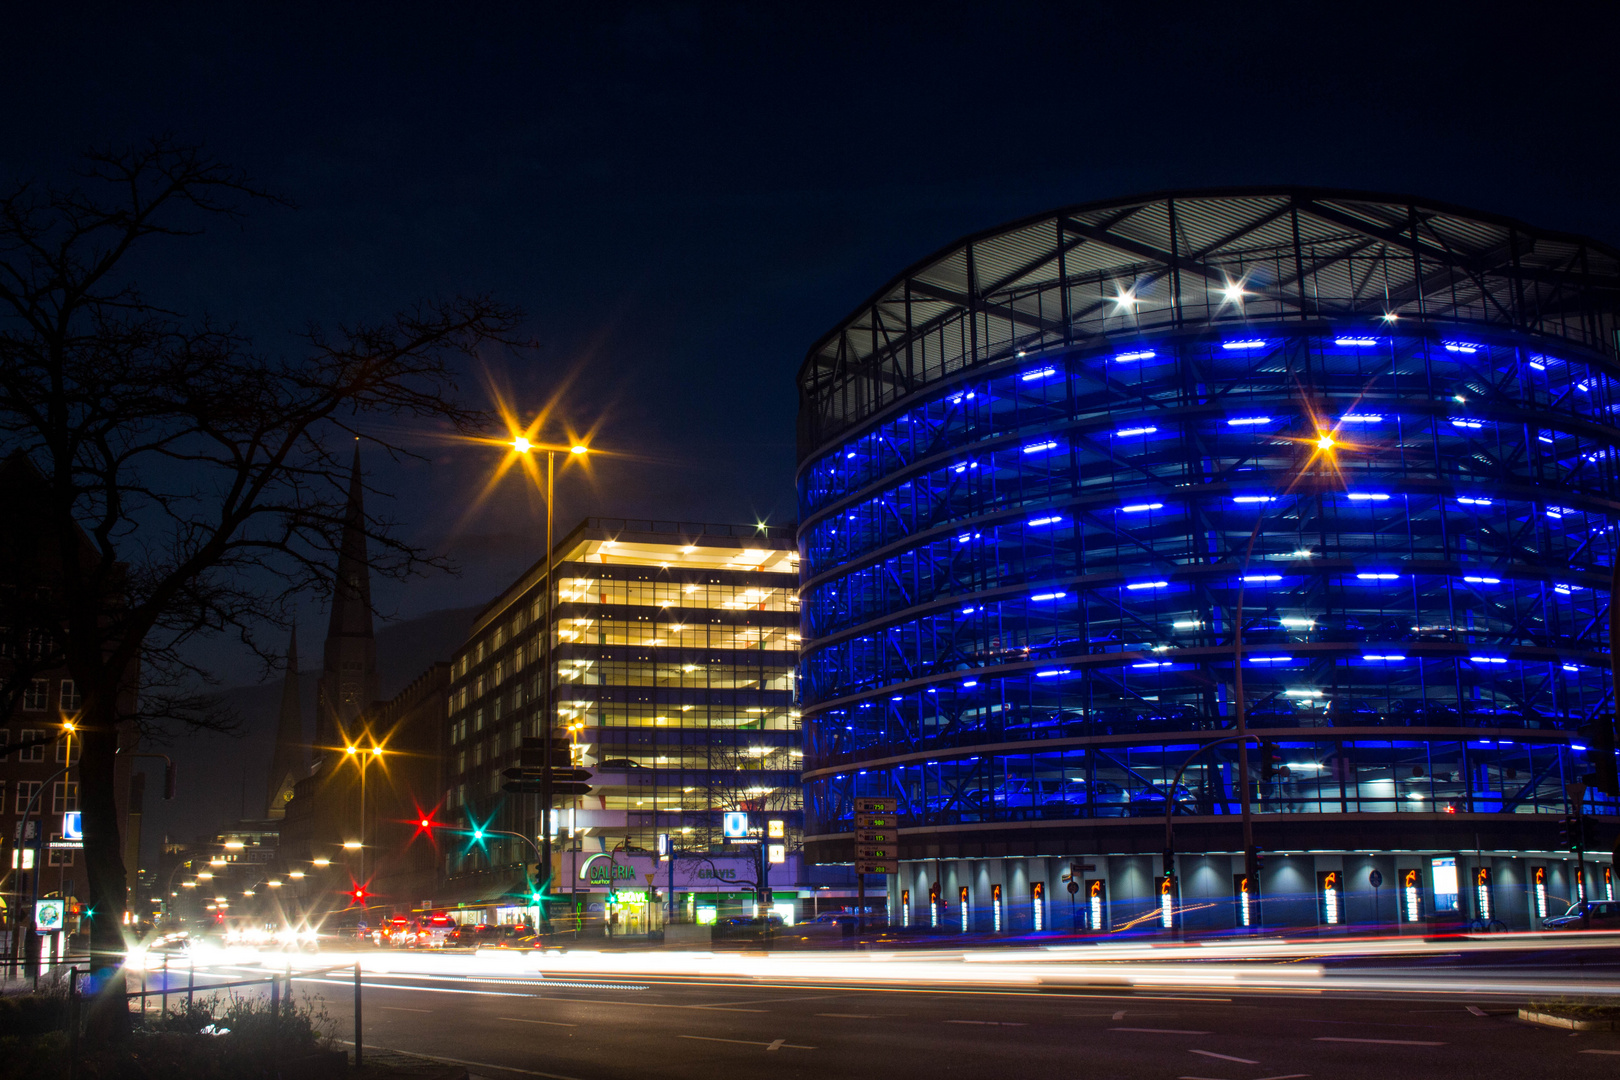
(775, 1045)
(1161, 1031)
(988, 1023)
(1289, 1076)
(1224, 1057)
(1476, 1010)
(1600, 1051)
(1120, 1015)
(712, 1008)
(476, 1064)
(526, 1020)
(401, 1008)
(747, 1042)
(852, 1016)
(428, 990)
(1386, 1042)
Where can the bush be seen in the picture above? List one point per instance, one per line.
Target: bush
(1578, 1008)
(218, 1038)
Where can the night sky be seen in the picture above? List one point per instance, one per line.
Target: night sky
(683, 197)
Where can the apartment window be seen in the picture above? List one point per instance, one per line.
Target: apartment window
(70, 696)
(32, 753)
(38, 643)
(58, 856)
(64, 796)
(37, 696)
(25, 793)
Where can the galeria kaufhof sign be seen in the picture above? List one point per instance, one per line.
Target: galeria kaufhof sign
(691, 874)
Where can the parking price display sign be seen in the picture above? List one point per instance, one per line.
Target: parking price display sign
(875, 849)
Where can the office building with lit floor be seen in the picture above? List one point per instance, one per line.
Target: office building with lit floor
(1099, 506)
(672, 668)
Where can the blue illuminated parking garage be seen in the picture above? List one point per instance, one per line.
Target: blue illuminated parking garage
(1099, 506)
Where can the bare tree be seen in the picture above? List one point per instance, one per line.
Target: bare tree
(187, 484)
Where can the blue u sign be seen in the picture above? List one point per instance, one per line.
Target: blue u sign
(72, 825)
(736, 823)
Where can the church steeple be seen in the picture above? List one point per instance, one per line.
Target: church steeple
(349, 674)
(288, 762)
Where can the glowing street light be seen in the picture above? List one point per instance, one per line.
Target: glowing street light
(352, 845)
(323, 862)
(295, 874)
(1325, 442)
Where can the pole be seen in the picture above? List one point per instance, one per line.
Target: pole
(1576, 793)
(165, 984)
(191, 982)
(546, 669)
(860, 912)
(357, 1051)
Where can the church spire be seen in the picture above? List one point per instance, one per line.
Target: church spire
(349, 674)
(287, 762)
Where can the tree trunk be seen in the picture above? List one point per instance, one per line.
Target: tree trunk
(104, 861)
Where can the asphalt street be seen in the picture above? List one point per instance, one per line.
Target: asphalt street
(588, 1029)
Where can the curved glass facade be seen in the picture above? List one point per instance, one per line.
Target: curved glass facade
(1021, 590)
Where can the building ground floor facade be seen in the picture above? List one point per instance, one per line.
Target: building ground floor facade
(1416, 891)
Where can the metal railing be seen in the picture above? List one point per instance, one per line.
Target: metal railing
(280, 998)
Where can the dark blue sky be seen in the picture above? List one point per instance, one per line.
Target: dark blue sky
(684, 196)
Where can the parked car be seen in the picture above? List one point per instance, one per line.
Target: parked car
(1587, 915)
(747, 927)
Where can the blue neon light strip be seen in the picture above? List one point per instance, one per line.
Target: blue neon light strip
(1043, 373)
(1036, 448)
(1141, 354)
(1245, 421)
(1252, 343)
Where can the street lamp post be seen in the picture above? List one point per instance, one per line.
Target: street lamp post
(363, 759)
(548, 667)
(1325, 444)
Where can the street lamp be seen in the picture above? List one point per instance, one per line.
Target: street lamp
(522, 445)
(1325, 445)
(363, 759)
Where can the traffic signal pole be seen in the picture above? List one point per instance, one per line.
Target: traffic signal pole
(547, 670)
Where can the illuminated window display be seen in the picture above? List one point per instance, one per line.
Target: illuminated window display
(1062, 480)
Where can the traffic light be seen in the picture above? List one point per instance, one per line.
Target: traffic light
(1599, 739)
(1258, 856)
(359, 895)
(1270, 762)
(1569, 832)
(1169, 863)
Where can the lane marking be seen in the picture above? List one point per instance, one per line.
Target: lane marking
(429, 990)
(1197, 1078)
(1120, 1015)
(1600, 1051)
(712, 1008)
(1385, 1042)
(989, 1023)
(1224, 1057)
(1477, 1011)
(526, 1020)
(775, 1045)
(463, 1061)
(1161, 1031)
(747, 1042)
(1289, 1076)
(401, 1008)
(852, 1016)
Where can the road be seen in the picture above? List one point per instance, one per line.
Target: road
(592, 1033)
(1256, 1009)
(568, 1024)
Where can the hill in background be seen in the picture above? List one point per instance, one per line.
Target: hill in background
(222, 778)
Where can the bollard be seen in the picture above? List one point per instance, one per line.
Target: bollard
(357, 1016)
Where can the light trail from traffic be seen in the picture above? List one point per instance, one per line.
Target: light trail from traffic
(1273, 965)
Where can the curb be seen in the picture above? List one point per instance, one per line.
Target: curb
(1564, 1022)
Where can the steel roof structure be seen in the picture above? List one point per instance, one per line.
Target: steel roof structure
(1084, 275)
